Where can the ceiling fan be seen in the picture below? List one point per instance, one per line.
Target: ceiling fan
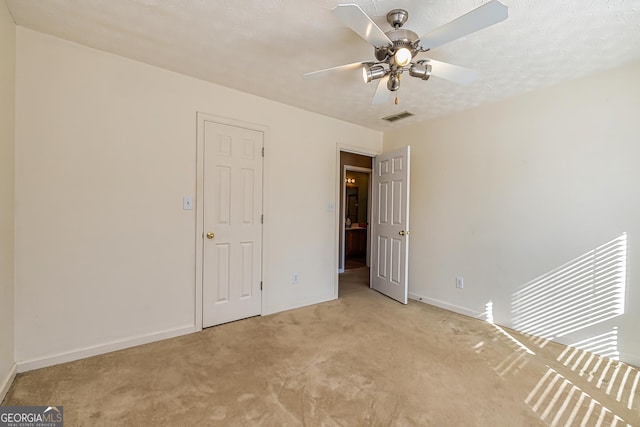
(395, 51)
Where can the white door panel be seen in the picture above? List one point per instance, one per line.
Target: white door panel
(390, 224)
(232, 184)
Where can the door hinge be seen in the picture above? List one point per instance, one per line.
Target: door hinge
(262, 219)
(262, 151)
(260, 285)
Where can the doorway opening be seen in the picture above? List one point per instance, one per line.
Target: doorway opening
(355, 212)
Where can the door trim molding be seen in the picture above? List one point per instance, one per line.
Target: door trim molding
(201, 118)
(349, 148)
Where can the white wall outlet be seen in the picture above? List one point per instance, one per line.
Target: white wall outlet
(294, 278)
(187, 203)
(459, 282)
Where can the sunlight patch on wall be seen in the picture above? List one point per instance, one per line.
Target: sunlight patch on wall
(488, 312)
(605, 344)
(584, 292)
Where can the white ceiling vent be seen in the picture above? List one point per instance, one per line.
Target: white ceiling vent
(395, 117)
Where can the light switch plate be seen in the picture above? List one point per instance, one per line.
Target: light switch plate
(187, 203)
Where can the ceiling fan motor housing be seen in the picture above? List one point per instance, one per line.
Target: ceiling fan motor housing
(400, 38)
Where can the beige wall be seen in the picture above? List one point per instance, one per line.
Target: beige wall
(105, 151)
(506, 193)
(7, 78)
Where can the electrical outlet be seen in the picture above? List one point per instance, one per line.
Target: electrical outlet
(459, 282)
(294, 278)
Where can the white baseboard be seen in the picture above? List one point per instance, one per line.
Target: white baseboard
(70, 356)
(630, 359)
(447, 306)
(6, 382)
(298, 304)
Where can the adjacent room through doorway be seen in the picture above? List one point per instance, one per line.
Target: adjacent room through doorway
(356, 219)
(354, 242)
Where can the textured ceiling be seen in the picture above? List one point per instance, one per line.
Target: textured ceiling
(264, 46)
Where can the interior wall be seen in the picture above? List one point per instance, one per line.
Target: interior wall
(504, 194)
(7, 230)
(105, 151)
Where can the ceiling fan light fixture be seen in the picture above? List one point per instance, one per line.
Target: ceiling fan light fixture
(396, 49)
(402, 57)
(372, 72)
(420, 70)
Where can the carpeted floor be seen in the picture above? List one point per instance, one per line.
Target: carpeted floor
(358, 361)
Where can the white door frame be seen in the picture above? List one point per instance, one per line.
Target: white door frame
(343, 230)
(338, 215)
(199, 205)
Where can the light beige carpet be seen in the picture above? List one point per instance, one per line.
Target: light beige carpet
(358, 361)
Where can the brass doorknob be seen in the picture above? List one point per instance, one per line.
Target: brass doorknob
(210, 235)
(402, 232)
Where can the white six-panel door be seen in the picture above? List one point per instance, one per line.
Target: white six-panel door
(390, 224)
(232, 240)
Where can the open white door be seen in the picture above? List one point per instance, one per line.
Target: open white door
(390, 224)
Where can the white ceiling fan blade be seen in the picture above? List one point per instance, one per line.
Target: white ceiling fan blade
(354, 17)
(382, 93)
(321, 73)
(453, 73)
(479, 18)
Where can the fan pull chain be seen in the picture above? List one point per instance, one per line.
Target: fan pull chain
(396, 101)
